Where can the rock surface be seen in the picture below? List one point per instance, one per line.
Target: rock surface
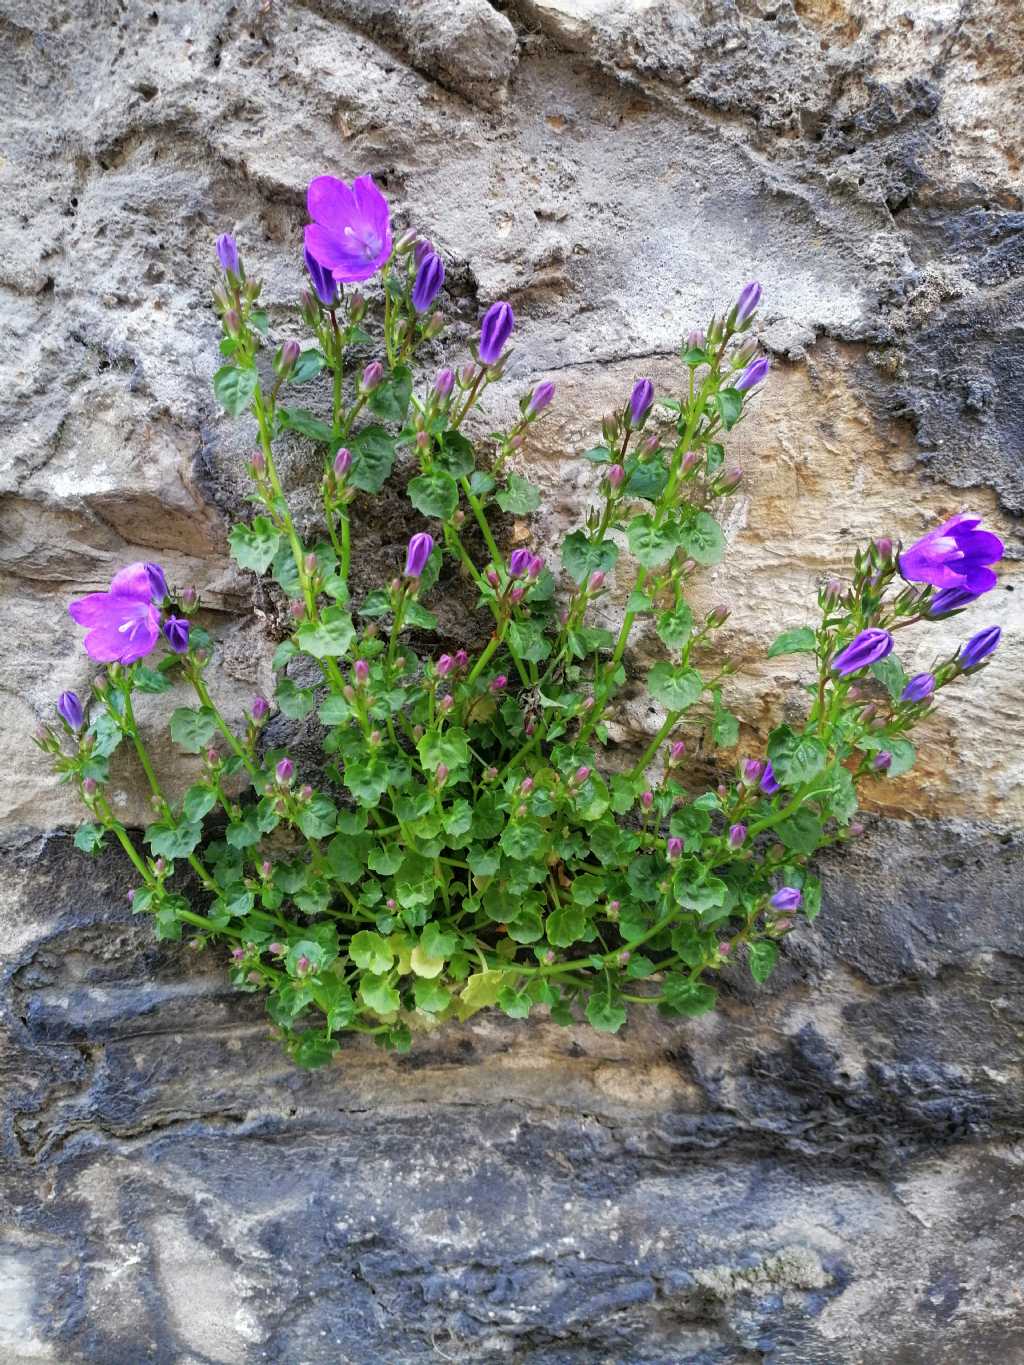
(830, 1168)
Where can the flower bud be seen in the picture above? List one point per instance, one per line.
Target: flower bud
(69, 708)
(856, 829)
(89, 786)
(419, 551)
(441, 774)
(373, 376)
(374, 738)
(536, 565)
(357, 307)
(787, 898)
(695, 340)
(443, 666)
(492, 578)
(297, 609)
(746, 304)
(624, 957)
(752, 770)
(519, 563)
(596, 581)
(435, 326)
(717, 616)
(490, 774)
(310, 563)
(737, 835)
(232, 323)
(499, 683)
(391, 903)
(285, 770)
(724, 949)
(461, 658)
(615, 475)
(212, 756)
(443, 385)
(731, 479)
(343, 462)
(495, 329)
(526, 786)
(884, 547)
(447, 702)
(883, 761)
(581, 774)
(258, 462)
(690, 460)
(238, 954)
(687, 567)
(540, 398)
(406, 241)
(361, 672)
(266, 868)
(286, 358)
(641, 401)
(784, 924)
(160, 866)
(610, 427)
(647, 800)
(674, 848)
(517, 594)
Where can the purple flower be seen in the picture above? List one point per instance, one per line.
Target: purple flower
(423, 248)
(867, 648)
(373, 377)
(285, 770)
(499, 683)
(176, 630)
(748, 302)
(227, 254)
(323, 281)
(787, 898)
(752, 770)
(954, 555)
(540, 398)
(616, 476)
(351, 232)
(259, 709)
(536, 565)
(674, 848)
(920, 686)
(737, 834)
(495, 330)
(361, 672)
(979, 647)
(123, 623)
(519, 563)
(444, 383)
(70, 710)
(768, 783)
(444, 665)
(755, 373)
(882, 761)
(428, 282)
(343, 462)
(419, 551)
(640, 401)
(157, 582)
(950, 599)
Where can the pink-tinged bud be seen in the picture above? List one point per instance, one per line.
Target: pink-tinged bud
(596, 581)
(357, 307)
(461, 658)
(752, 770)
(500, 682)
(530, 729)
(784, 924)
(624, 957)
(695, 340)
(343, 462)
(232, 323)
(407, 241)
(691, 458)
(467, 374)
(718, 616)
(266, 867)
(306, 793)
(373, 376)
(258, 462)
(610, 426)
(581, 774)
(854, 693)
(833, 589)
(725, 949)
(526, 786)
(391, 903)
(587, 703)
(374, 738)
(131, 895)
(160, 866)
(492, 578)
(296, 610)
(732, 478)
(674, 848)
(856, 829)
(302, 966)
(310, 563)
(276, 949)
(536, 564)
(348, 692)
(737, 835)
(517, 594)
(516, 443)
(89, 786)
(444, 665)
(285, 770)
(883, 761)
(447, 702)
(677, 751)
(212, 757)
(649, 444)
(443, 385)
(238, 954)
(884, 548)
(722, 790)
(521, 812)
(259, 709)
(286, 358)
(490, 774)
(687, 567)
(441, 774)
(616, 476)
(417, 733)
(647, 800)
(422, 440)
(549, 956)
(614, 907)
(361, 672)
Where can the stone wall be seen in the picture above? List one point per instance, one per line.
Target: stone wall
(829, 1168)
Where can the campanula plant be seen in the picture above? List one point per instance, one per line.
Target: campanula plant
(465, 841)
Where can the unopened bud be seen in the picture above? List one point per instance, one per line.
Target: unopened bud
(373, 376)
(407, 241)
(616, 476)
(297, 609)
(259, 709)
(306, 793)
(461, 658)
(717, 616)
(285, 770)
(676, 752)
(357, 307)
(884, 547)
(596, 581)
(737, 835)
(258, 462)
(361, 672)
(375, 737)
(648, 445)
(343, 462)
(447, 702)
(526, 786)
(499, 683)
(286, 358)
(883, 761)
(581, 774)
(647, 800)
(89, 786)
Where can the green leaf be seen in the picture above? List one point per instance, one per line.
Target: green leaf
(795, 759)
(890, 674)
(253, 547)
(581, 558)
(150, 680)
(522, 839)
(234, 388)
(378, 603)
(307, 367)
(430, 995)
(799, 641)
(715, 457)
(373, 458)
(674, 688)
(903, 752)
(605, 1011)
(417, 615)
(565, 926)
(480, 991)
(801, 831)
(378, 994)
(106, 733)
(520, 498)
(729, 403)
(371, 952)
(193, 730)
(169, 840)
(306, 424)
(312, 1049)
(347, 857)
(763, 956)
(651, 545)
(436, 942)
(812, 898)
(89, 838)
(199, 801)
(435, 494)
(598, 455)
(450, 748)
(390, 399)
(330, 637)
(684, 996)
(423, 964)
(295, 702)
(318, 817)
(456, 455)
(674, 627)
(526, 638)
(703, 540)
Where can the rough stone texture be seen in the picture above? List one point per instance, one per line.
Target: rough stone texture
(827, 1170)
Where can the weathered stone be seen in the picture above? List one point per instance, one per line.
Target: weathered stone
(827, 1169)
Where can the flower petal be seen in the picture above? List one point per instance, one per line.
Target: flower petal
(91, 610)
(132, 581)
(331, 203)
(344, 258)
